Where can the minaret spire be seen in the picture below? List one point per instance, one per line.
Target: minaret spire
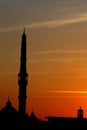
(22, 77)
(24, 30)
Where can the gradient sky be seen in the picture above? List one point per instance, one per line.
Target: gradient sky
(56, 55)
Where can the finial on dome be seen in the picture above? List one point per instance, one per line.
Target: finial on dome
(8, 103)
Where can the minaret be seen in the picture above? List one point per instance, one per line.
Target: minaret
(22, 77)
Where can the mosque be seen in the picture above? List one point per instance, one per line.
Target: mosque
(12, 119)
(8, 114)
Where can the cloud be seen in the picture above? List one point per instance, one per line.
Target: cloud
(76, 18)
(60, 94)
(61, 52)
(8, 74)
(62, 22)
(63, 60)
(69, 59)
(68, 92)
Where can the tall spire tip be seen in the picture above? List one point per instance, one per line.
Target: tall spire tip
(24, 30)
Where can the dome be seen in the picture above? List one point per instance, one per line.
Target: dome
(8, 112)
(33, 117)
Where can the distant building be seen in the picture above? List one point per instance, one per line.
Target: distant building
(80, 113)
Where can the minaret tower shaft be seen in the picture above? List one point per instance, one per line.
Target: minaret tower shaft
(22, 77)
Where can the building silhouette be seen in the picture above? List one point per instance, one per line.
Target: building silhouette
(9, 116)
(22, 77)
(80, 113)
(12, 119)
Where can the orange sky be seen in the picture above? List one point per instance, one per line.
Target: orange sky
(56, 55)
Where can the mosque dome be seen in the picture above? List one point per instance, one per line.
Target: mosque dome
(8, 112)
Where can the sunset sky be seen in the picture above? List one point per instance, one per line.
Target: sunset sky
(56, 55)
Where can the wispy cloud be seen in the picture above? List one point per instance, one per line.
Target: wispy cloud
(63, 60)
(79, 53)
(68, 92)
(60, 94)
(61, 52)
(8, 74)
(76, 18)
